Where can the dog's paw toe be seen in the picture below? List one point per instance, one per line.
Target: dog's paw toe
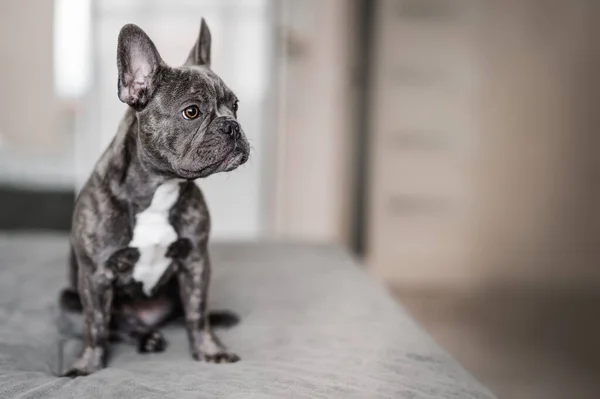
(152, 342)
(221, 357)
(75, 372)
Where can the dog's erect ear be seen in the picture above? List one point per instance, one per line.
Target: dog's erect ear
(200, 54)
(138, 63)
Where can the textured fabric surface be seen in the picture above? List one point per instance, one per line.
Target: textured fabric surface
(314, 325)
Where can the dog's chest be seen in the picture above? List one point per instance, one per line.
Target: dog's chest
(152, 235)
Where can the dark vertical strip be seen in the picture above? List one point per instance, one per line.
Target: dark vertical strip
(364, 39)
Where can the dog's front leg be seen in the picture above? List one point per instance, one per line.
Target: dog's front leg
(96, 291)
(193, 277)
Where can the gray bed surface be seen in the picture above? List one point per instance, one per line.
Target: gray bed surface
(314, 325)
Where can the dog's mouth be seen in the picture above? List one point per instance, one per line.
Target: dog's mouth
(232, 160)
(197, 174)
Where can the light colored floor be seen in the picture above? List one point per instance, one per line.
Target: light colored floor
(522, 344)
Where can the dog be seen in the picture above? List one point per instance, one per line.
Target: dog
(140, 225)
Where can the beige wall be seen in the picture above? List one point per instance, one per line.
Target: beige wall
(512, 194)
(535, 188)
(28, 109)
(423, 141)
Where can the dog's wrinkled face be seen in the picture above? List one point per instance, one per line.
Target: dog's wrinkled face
(187, 116)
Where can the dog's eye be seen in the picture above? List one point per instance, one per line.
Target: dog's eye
(191, 112)
(235, 106)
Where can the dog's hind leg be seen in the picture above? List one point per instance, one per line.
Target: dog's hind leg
(125, 325)
(130, 329)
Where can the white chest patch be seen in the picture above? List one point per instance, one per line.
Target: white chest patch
(153, 234)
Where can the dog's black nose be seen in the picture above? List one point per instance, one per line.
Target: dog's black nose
(232, 128)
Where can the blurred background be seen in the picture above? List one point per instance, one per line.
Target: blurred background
(450, 144)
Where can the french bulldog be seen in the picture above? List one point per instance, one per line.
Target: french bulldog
(140, 225)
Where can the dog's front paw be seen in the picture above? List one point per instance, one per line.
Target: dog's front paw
(152, 342)
(219, 357)
(75, 372)
(90, 360)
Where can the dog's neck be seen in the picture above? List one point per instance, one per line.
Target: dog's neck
(136, 180)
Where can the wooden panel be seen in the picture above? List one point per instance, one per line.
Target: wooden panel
(484, 143)
(423, 135)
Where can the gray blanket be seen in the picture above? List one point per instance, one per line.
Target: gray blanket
(314, 325)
